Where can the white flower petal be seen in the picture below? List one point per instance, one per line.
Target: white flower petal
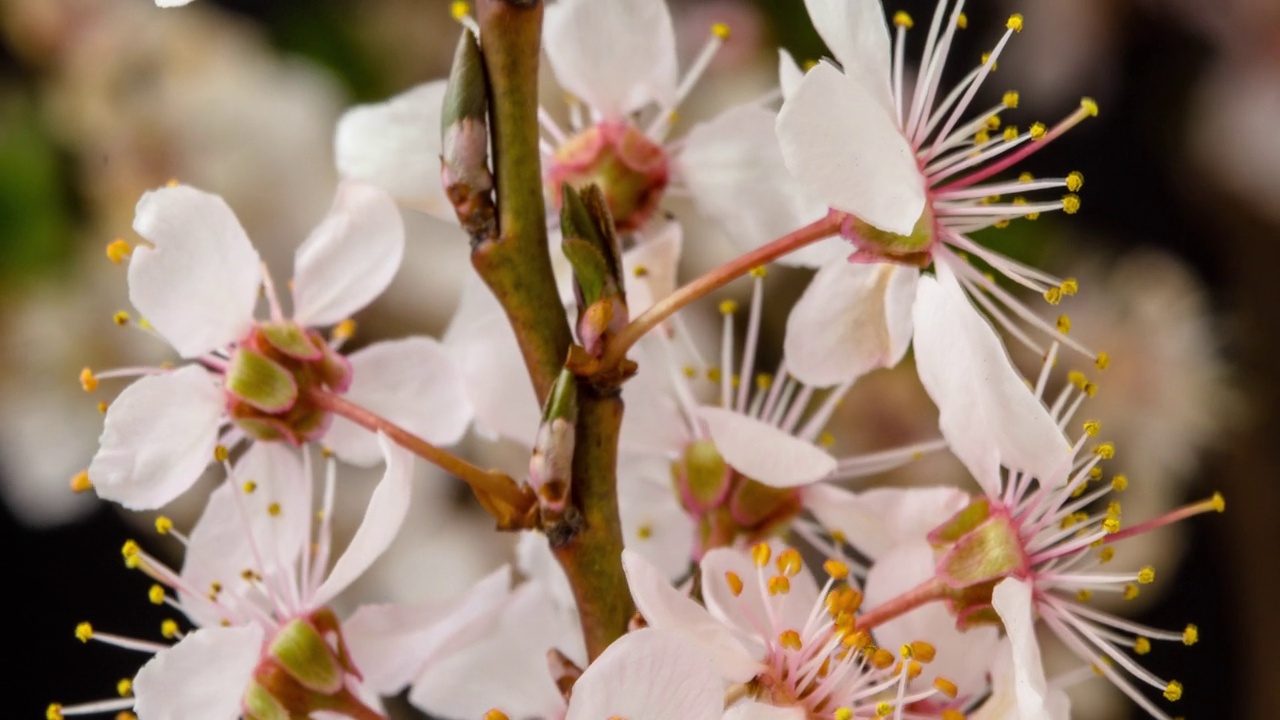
(753, 710)
(1002, 704)
(203, 677)
(876, 521)
(350, 257)
(789, 74)
(649, 268)
(536, 561)
(733, 167)
(856, 33)
(653, 522)
(666, 608)
(846, 149)
(616, 56)
(199, 285)
(158, 437)
(852, 319)
(382, 519)
(396, 146)
(1012, 601)
(987, 412)
(763, 452)
(172, 3)
(655, 423)
(649, 674)
(414, 383)
(391, 643)
(746, 611)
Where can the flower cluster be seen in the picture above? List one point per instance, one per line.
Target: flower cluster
(703, 553)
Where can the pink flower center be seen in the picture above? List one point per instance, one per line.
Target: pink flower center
(727, 505)
(631, 170)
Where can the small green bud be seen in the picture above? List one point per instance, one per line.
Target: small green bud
(261, 382)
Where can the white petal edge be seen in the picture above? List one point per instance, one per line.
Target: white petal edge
(649, 268)
(877, 520)
(616, 56)
(158, 436)
(198, 285)
(763, 452)
(203, 677)
(382, 519)
(396, 145)
(350, 258)
(852, 319)
(666, 608)
(789, 74)
(987, 412)
(848, 151)
(856, 32)
(650, 674)
(753, 710)
(1012, 602)
(413, 382)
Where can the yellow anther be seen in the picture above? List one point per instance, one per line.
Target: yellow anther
(1064, 324)
(946, 687)
(644, 532)
(146, 325)
(274, 509)
(914, 669)
(881, 658)
(923, 651)
(249, 487)
(1141, 645)
(88, 380)
(1053, 295)
(734, 582)
(1130, 591)
(836, 569)
(1026, 177)
(118, 251)
(1102, 361)
(735, 381)
(981, 137)
(130, 549)
(1075, 181)
(1011, 133)
(1084, 595)
(156, 594)
(843, 713)
(459, 9)
(903, 20)
(1090, 106)
(1173, 691)
(124, 688)
(169, 629)
(1146, 575)
(640, 271)
(993, 123)
(689, 371)
(951, 715)
(163, 525)
(826, 439)
(84, 632)
(80, 482)
(1038, 131)
(1077, 378)
(728, 307)
(759, 271)
(789, 639)
(102, 407)
(1119, 483)
(789, 562)
(1111, 525)
(1092, 428)
(720, 30)
(713, 374)
(1071, 204)
(221, 453)
(764, 381)
(962, 21)
(53, 712)
(1190, 635)
(779, 585)
(760, 554)
(1015, 22)
(1095, 473)
(121, 318)
(344, 330)
(1217, 502)
(1090, 389)
(838, 537)
(1113, 509)
(1106, 554)
(1011, 99)
(125, 715)
(985, 57)
(883, 709)
(496, 714)
(1106, 451)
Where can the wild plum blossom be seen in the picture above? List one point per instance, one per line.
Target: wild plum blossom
(197, 286)
(910, 174)
(256, 582)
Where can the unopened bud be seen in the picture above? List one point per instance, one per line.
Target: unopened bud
(464, 163)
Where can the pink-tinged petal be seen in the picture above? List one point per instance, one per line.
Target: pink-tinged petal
(415, 384)
(649, 268)
(852, 319)
(507, 668)
(856, 33)
(199, 284)
(653, 522)
(203, 677)
(987, 412)
(746, 610)
(666, 608)
(845, 149)
(789, 74)
(234, 533)
(962, 657)
(650, 674)
(733, 167)
(396, 145)
(382, 519)
(763, 452)
(392, 643)
(878, 520)
(752, 710)
(494, 376)
(350, 258)
(158, 437)
(616, 56)
(1012, 601)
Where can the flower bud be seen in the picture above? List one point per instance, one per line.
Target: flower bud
(630, 169)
